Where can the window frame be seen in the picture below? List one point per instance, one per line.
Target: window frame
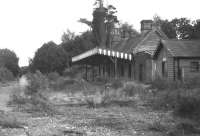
(194, 66)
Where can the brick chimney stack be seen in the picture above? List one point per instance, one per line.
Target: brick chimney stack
(146, 25)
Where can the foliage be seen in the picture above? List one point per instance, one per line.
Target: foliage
(162, 84)
(50, 58)
(157, 126)
(196, 33)
(189, 83)
(188, 106)
(62, 83)
(166, 26)
(184, 28)
(5, 74)
(31, 98)
(116, 84)
(97, 100)
(9, 60)
(24, 70)
(110, 21)
(181, 28)
(103, 22)
(67, 36)
(85, 21)
(182, 97)
(79, 44)
(131, 90)
(127, 28)
(37, 82)
(53, 76)
(8, 121)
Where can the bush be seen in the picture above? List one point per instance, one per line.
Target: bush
(50, 58)
(71, 73)
(97, 100)
(9, 60)
(116, 84)
(191, 83)
(156, 126)
(101, 80)
(62, 83)
(37, 82)
(132, 89)
(8, 121)
(53, 76)
(5, 74)
(187, 106)
(162, 84)
(31, 97)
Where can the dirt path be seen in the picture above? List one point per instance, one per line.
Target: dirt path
(5, 92)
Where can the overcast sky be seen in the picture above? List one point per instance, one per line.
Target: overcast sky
(26, 24)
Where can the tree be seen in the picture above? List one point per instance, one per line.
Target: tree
(85, 21)
(184, 28)
(103, 22)
(9, 60)
(166, 26)
(110, 21)
(50, 58)
(67, 36)
(196, 33)
(127, 28)
(79, 44)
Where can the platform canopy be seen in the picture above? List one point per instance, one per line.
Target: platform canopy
(100, 55)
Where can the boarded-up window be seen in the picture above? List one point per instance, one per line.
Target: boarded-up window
(194, 66)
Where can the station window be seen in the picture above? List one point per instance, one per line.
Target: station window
(194, 66)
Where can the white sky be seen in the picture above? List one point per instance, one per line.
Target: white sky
(26, 24)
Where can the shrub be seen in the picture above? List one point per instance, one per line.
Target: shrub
(7, 121)
(62, 83)
(97, 100)
(191, 83)
(101, 80)
(5, 74)
(53, 76)
(162, 84)
(9, 60)
(187, 106)
(37, 82)
(30, 97)
(156, 126)
(132, 89)
(50, 58)
(71, 73)
(116, 84)
(165, 99)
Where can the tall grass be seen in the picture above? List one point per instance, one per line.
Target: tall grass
(31, 97)
(181, 97)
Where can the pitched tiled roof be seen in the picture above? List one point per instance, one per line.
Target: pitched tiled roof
(127, 45)
(150, 42)
(183, 48)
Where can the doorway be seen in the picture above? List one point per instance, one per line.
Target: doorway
(141, 72)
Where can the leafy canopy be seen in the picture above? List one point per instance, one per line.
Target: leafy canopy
(50, 58)
(9, 60)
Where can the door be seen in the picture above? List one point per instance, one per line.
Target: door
(141, 71)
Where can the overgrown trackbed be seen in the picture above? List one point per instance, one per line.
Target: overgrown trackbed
(79, 120)
(5, 92)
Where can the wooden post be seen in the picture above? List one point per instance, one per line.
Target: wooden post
(115, 68)
(93, 68)
(86, 72)
(99, 70)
